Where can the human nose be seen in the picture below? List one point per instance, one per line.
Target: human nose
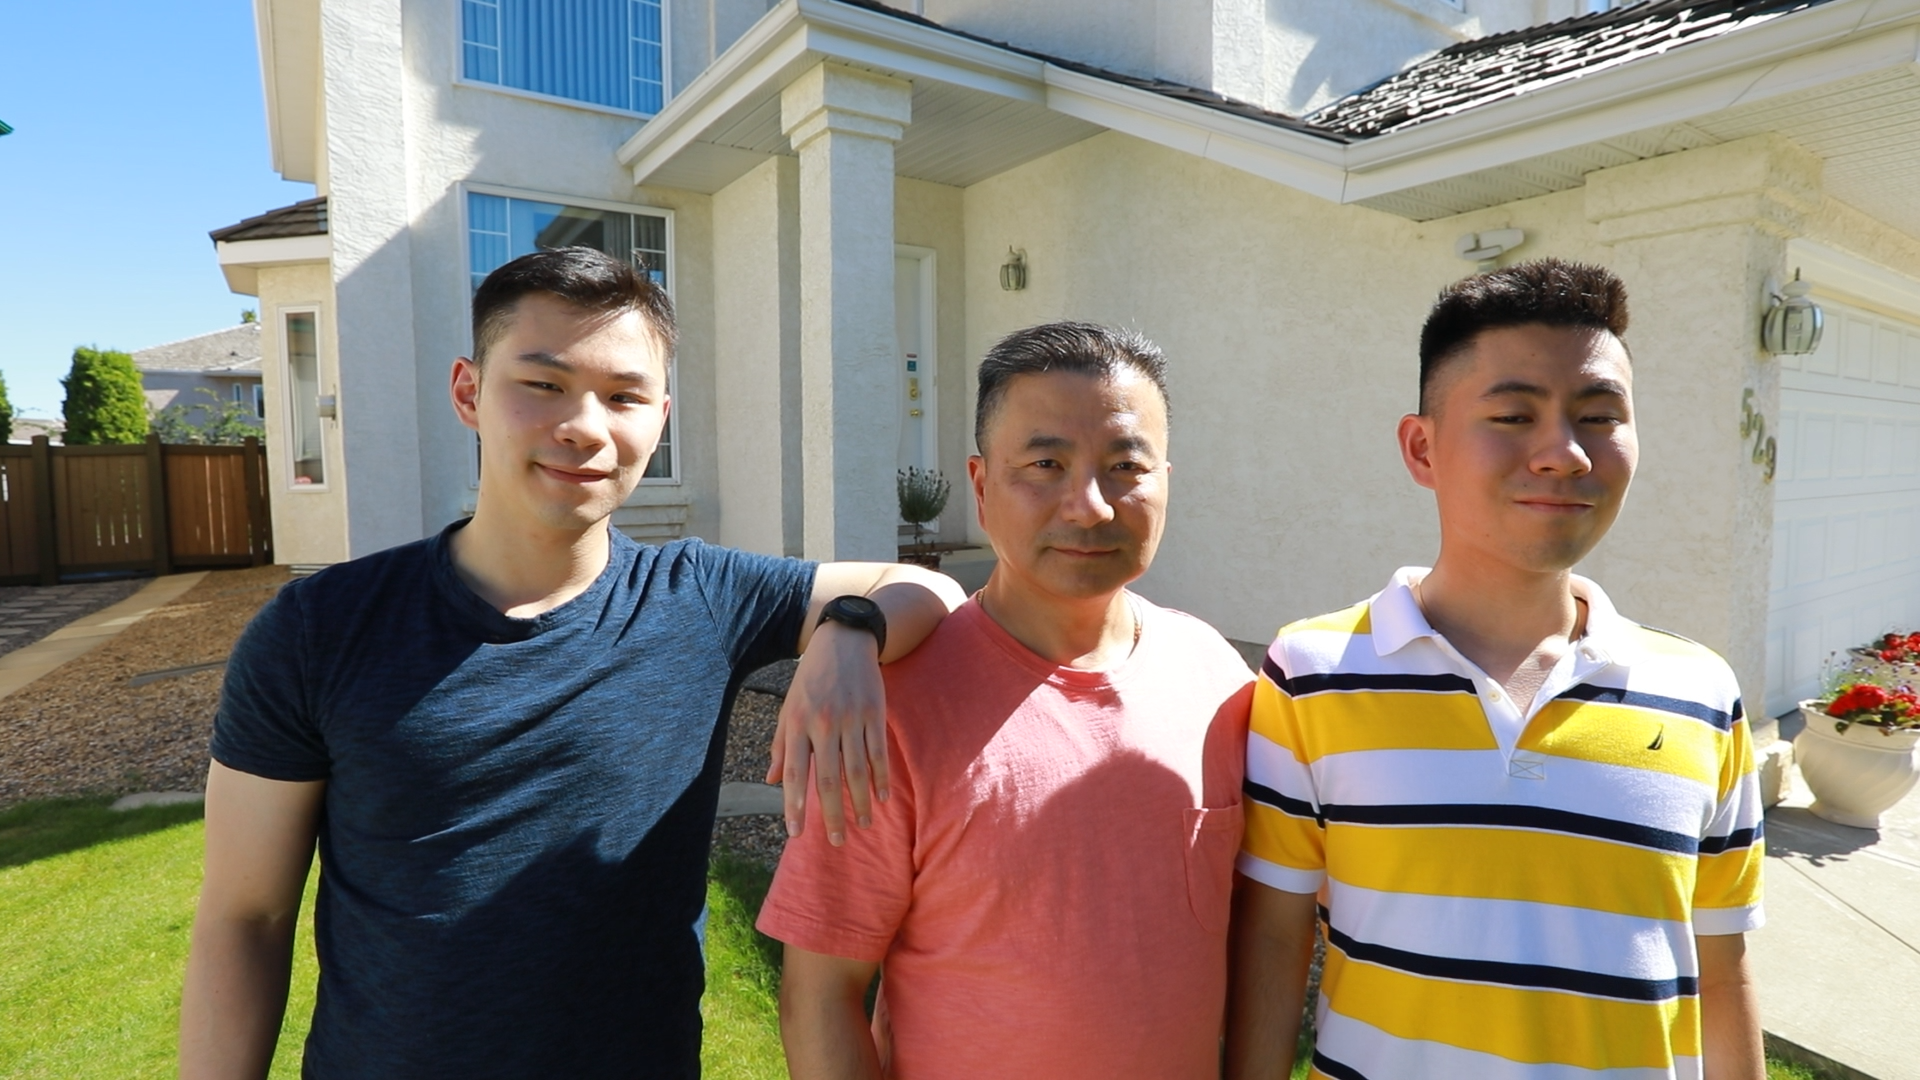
(1562, 453)
(1086, 504)
(585, 424)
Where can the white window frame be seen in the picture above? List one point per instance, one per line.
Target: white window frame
(327, 464)
(666, 71)
(676, 476)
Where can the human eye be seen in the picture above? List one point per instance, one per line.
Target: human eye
(539, 384)
(1044, 463)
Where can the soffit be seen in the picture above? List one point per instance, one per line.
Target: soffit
(289, 36)
(958, 136)
(1866, 129)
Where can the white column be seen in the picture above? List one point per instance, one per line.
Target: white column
(843, 123)
(756, 323)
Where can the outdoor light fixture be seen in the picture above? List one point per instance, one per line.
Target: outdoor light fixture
(1483, 248)
(1793, 322)
(1013, 272)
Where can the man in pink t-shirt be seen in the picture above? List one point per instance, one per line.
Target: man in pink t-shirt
(1046, 894)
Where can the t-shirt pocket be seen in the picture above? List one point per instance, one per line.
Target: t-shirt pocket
(1213, 840)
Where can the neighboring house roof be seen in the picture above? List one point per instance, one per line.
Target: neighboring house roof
(308, 217)
(1489, 69)
(26, 427)
(234, 351)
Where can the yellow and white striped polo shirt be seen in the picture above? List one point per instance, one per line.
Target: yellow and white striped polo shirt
(1508, 891)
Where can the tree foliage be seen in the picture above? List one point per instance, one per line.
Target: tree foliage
(214, 422)
(104, 404)
(6, 412)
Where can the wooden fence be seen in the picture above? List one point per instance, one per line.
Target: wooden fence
(72, 510)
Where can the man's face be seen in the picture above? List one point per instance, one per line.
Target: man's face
(1529, 445)
(1072, 487)
(569, 408)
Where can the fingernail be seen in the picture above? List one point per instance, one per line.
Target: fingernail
(866, 822)
(885, 794)
(793, 828)
(836, 839)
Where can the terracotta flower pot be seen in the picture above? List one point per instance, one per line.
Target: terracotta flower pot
(1855, 775)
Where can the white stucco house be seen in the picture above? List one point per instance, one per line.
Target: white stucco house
(842, 195)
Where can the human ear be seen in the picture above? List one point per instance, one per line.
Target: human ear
(977, 476)
(1416, 447)
(464, 387)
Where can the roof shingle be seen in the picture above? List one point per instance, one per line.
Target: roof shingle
(307, 217)
(236, 347)
(1489, 69)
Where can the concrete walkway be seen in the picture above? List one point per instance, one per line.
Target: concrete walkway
(1838, 963)
(83, 635)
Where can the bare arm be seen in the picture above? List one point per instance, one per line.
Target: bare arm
(823, 1017)
(1729, 1015)
(835, 711)
(1270, 947)
(260, 836)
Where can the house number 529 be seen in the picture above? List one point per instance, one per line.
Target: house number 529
(1754, 426)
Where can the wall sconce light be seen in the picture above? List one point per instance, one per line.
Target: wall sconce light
(1485, 248)
(1793, 322)
(1013, 272)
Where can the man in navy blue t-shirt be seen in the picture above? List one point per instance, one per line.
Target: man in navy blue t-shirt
(506, 739)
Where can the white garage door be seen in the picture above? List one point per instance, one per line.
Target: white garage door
(1846, 539)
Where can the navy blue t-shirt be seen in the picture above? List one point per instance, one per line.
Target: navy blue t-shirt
(514, 838)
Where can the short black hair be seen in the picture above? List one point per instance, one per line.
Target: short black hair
(1078, 347)
(1552, 292)
(584, 277)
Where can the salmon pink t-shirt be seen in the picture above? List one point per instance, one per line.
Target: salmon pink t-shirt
(1047, 890)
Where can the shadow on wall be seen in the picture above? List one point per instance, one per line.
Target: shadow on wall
(1354, 45)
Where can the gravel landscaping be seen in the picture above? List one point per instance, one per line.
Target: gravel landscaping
(83, 730)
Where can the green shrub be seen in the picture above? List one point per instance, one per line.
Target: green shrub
(6, 412)
(221, 422)
(104, 404)
(922, 494)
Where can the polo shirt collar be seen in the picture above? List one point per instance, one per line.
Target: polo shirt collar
(1397, 620)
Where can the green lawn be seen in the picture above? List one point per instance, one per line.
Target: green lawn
(95, 908)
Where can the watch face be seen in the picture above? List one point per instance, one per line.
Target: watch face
(857, 606)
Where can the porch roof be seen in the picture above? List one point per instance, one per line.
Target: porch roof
(1499, 119)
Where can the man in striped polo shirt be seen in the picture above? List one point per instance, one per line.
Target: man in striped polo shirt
(1529, 826)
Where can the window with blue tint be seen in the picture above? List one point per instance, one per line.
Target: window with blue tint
(608, 52)
(500, 228)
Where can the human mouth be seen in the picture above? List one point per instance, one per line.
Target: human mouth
(573, 476)
(1555, 506)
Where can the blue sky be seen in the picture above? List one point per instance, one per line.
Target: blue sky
(138, 127)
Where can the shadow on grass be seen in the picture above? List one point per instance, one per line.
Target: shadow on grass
(41, 830)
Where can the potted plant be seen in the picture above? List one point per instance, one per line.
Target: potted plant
(923, 495)
(1857, 750)
(1889, 660)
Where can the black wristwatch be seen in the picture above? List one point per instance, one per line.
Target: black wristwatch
(859, 613)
